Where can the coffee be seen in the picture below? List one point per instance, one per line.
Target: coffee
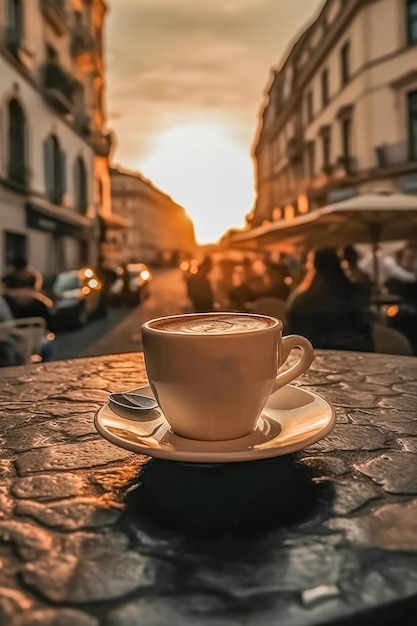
(213, 324)
(212, 373)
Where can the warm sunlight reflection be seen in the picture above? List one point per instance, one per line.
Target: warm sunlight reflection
(203, 168)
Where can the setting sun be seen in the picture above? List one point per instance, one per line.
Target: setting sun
(206, 170)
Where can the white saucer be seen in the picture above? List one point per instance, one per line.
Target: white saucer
(293, 419)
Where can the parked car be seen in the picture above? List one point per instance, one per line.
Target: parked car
(132, 284)
(76, 294)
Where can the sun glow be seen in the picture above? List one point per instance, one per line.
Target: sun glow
(207, 171)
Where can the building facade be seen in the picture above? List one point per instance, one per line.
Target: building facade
(54, 173)
(340, 116)
(159, 232)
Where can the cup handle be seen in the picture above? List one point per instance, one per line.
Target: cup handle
(307, 354)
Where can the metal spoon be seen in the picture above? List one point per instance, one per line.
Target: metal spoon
(133, 401)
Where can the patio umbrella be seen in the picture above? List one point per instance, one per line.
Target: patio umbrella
(282, 235)
(368, 218)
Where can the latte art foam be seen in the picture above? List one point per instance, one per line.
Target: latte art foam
(213, 325)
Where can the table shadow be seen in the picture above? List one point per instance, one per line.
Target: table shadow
(244, 498)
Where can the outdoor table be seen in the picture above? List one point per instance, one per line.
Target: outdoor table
(92, 534)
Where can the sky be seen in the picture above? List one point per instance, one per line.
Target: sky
(185, 84)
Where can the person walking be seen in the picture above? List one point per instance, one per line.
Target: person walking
(199, 288)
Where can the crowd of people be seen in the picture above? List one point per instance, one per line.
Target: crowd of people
(328, 298)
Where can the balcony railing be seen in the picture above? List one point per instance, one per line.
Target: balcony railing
(82, 41)
(397, 154)
(102, 143)
(56, 13)
(83, 124)
(60, 86)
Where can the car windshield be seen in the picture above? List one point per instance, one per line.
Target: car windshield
(66, 282)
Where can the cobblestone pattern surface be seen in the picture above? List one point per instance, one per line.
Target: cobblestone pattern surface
(66, 560)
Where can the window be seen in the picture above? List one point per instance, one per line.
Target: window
(99, 98)
(15, 245)
(412, 124)
(78, 20)
(326, 147)
(17, 143)
(345, 63)
(52, 55)
(66, 282)
(100, 194)
(80, 186)
(309, 105)
(325, 88)
(346, 128)
(54, 169)
(15, 21)
(311, 159)
(99, 40)
(411, 22)
(298, 168)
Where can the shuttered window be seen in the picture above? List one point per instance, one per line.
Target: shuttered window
(17, 144)
(412, 124)
(15, 21)
(80, 186)
(55, 167)
(412, 22)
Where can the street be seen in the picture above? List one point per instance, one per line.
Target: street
(120, 331)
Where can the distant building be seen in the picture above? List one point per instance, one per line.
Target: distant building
(341, 111)
(54, 173)
(160, 231)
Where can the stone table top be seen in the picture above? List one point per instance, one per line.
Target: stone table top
(91, 534)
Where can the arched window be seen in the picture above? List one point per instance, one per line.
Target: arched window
(80, 185)
(55, 169)
(17, 143)
(411, 22)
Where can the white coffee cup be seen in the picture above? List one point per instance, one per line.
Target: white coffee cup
(212, 373)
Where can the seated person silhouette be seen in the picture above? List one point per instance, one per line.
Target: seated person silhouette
(329, 309)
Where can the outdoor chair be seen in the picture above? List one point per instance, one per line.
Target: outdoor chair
(26, 333)
(390, 341)
(269, 306)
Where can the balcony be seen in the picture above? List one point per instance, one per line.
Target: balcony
(83, 48)
(83, 124)
(82, 41)
(59, 87)
(55, 11)
(102, 143)
(395, 155)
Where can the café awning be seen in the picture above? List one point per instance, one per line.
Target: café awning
(368, 218)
